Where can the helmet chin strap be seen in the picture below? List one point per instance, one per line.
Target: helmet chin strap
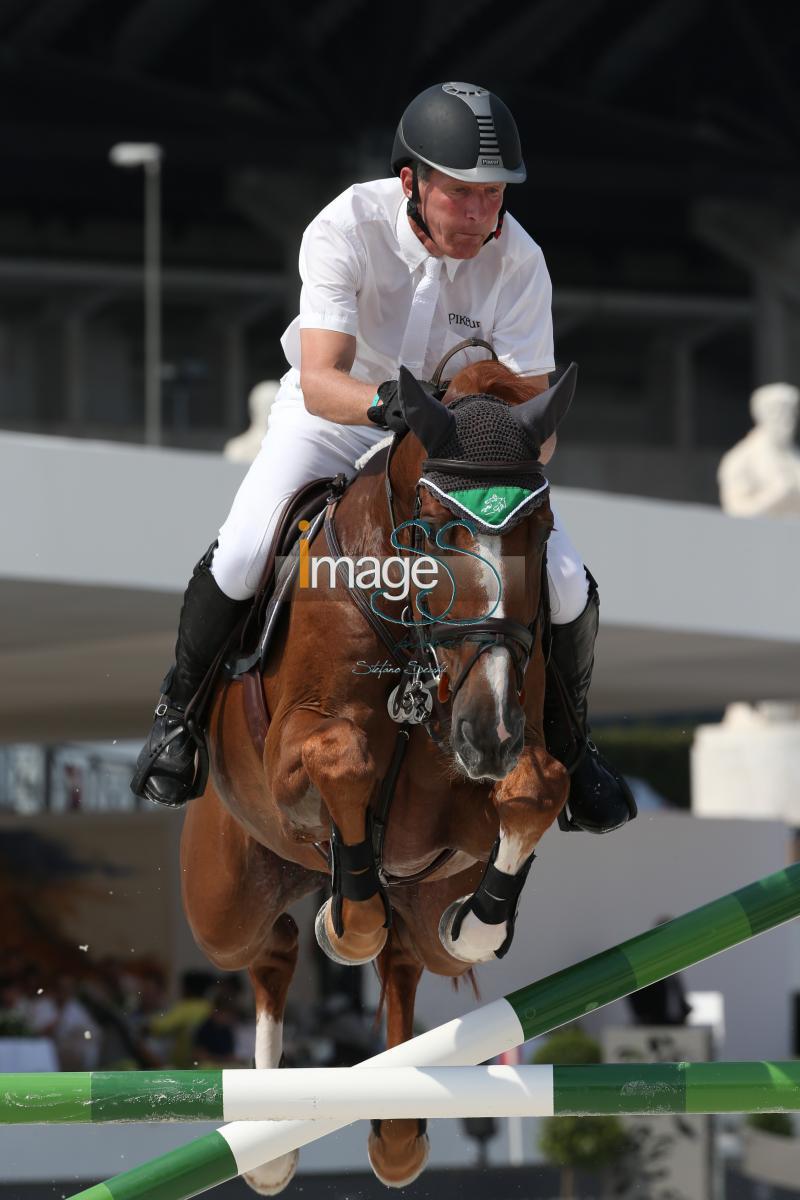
(415, 213)
(412, 207)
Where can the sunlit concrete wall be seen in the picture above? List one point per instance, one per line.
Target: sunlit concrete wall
(697, 608)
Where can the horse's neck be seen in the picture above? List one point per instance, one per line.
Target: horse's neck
(365, 519)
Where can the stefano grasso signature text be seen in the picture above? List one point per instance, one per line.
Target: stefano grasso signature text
(362, 667)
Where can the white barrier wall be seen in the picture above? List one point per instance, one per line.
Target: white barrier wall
(697, 609)
(107, 514)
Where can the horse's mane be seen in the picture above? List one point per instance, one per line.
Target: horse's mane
(494, 379)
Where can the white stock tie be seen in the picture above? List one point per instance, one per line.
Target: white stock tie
(420, 318)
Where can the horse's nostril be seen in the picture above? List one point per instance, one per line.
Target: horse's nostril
(465, 732)
(515, 744)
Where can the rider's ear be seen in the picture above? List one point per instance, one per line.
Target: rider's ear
(540, 416)
(426, 416)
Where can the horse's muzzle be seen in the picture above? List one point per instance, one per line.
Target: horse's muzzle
(484, 756)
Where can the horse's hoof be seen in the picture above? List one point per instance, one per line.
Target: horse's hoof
(274, 1176)
(331, 945)
(399, 1157)
(476, 942)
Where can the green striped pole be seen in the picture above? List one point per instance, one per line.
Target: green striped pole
(633, 1089)
(316, 1093)
(565, 996)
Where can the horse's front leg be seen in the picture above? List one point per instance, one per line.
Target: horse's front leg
(480, 927)
(336, 766)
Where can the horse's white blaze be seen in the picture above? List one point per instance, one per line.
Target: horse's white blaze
(496, 663)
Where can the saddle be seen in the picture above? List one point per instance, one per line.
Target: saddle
(307, 505)
(246, 650)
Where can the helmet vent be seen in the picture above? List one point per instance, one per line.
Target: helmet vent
(464, 89)
(487, 135)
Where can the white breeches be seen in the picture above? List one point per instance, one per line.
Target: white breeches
(299, 447)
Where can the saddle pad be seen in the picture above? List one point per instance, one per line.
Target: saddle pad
(284, 583)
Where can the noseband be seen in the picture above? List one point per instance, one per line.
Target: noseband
(411, 702)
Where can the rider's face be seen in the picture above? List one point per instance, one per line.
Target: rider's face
(459, 215)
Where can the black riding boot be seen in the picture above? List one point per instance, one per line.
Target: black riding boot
(599, 799)
(168, 768)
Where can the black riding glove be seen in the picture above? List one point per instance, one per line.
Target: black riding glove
(386, 411)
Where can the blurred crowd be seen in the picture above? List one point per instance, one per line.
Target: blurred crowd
(113, 1018)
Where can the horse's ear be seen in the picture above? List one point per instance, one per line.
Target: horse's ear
(427, 417)
(541, 416)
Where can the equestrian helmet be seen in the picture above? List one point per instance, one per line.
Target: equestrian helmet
(463, 130)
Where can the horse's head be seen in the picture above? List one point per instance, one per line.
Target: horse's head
(471, 479)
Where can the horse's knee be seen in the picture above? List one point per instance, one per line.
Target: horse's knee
(315, 772)
(530, 799)
(280, 950)
(337, 754)
(338, 761)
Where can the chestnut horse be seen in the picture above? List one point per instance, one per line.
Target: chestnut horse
(476, 789)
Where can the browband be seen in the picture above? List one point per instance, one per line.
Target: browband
(455, 466)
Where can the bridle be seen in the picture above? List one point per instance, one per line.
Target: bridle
(517, 638)
(486, 633)
(412, 701)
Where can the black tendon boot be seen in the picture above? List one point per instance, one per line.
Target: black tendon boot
(168, 770)
(599, 799)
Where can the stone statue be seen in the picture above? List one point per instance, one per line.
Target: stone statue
(749, 764)
(245, 446)
(760, 475)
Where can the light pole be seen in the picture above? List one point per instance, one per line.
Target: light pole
(148, 155)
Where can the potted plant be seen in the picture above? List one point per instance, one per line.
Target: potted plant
(577, 1143)
(771, 1150)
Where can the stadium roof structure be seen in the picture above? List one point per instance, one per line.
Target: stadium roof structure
(630, 111)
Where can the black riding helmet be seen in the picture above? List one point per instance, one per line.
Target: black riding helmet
(463, 130)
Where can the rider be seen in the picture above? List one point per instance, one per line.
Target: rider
(396, 271)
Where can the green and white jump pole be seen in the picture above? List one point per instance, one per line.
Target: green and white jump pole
(488, 1031)
(339, 1093)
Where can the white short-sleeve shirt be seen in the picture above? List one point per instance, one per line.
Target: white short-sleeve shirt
(360, 262)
